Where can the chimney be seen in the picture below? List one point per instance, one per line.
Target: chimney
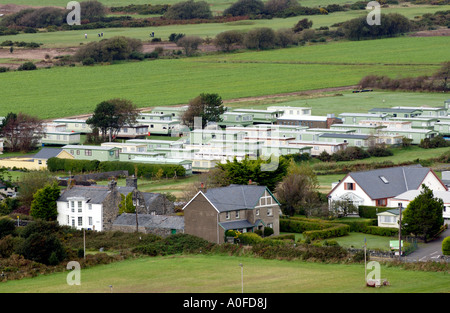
(112, 184)
(131, 182)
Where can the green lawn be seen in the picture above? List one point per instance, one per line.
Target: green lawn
(199, 274)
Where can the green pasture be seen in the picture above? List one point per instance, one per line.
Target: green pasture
(199, 274)
(67, 91)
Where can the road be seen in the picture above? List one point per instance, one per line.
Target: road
(431, 251)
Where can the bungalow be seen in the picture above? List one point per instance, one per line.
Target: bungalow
(37, 161)
(246, 208)
(376, 187)
(133, 131)
(405, 198)
(158, 127)
(175, 111)
(60, 138)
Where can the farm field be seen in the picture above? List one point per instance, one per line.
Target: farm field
(198, 274)
(76, 90)
(74, 38)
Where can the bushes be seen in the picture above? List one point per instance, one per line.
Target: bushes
(446, 246)
(175, 244)
(144, 170)
(381, 231)
(189, 10)
(27, 66)
(335, 231)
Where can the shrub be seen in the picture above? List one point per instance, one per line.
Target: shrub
(27, 66)
(7, 227)
(245, 7)
(268, 231)
(249, 238)
(189, 10)
(381, 231)
(260, 38)
(42, 248)
(446, 246)
(228, 40)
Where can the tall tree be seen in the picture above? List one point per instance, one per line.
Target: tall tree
(208, 106)
(111, 115)
(43, 205)
(22, 132)
(423, 215)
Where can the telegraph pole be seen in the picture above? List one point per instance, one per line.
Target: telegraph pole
(400, 232)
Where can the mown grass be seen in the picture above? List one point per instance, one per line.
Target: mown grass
(199, 274)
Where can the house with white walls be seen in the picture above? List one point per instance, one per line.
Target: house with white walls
(377, 187)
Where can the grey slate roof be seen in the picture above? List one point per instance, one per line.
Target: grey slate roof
(150, 221)
(239, 224)
(235, 197)
(398, 180)
(47, 153)
(95, 194)
(398, 110)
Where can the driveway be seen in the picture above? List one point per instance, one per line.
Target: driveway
(430, 251)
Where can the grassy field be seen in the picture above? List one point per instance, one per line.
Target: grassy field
(67, 91)
(76, 37)
(199, 274)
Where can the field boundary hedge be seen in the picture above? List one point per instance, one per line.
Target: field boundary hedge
(89, 166)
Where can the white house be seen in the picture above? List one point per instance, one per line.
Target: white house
(376, 187)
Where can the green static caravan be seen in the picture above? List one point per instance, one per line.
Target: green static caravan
(87, 152)
(133, 131)
(397, 111)
(232, 148)
(235, 119)
(75, 125)
(262, 116)
(355, 118)
(60, 138)
(159, 127)
(288, 130)
(426, 111)
(318, 147)
(355, 140)
(161, 160)
(415, 134)
(331, 130)
(155, 117)
(277, 150)
(186, 153)
(443, 128)
(126, 146)
(204, 136)
(152, 144)
(418, 122)
(131, 156)
(175, 111)
(358, 129)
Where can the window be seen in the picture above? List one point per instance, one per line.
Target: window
(381, 202)
(73, 222)
(388, 219)
(349, 186)
(227, 215)
(257, 212)
(237, 214)
(80, 205)
(269, 212)
(80, 221)
(72, 206)
(90, 206)
(90, 220)
(88, 152)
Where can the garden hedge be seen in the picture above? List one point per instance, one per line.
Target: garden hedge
(143, 170)
(446, 246)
